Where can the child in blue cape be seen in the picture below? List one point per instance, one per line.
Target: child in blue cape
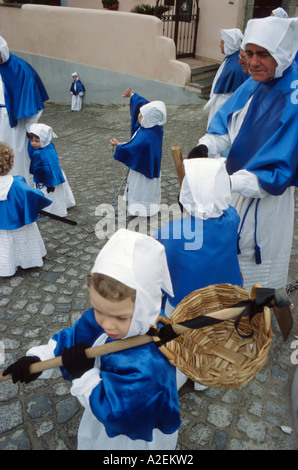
(130, 397)
(201, 247)
(46, 171)
(21, 244)
(142, 154)
(77, 91)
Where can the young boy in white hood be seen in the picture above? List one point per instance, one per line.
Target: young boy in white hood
(201, 247)
(130, 397)
(45, 168)
(142, 154)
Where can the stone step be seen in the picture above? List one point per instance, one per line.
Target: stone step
(203, 72)
(202, 86)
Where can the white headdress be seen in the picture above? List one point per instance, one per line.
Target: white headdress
(232, 38)
(4, 51)
(205, 191)
(278, 35)
(139, 262)
(154, 114)
(280, 13)
(45, 133)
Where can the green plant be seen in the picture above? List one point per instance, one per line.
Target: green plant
(108, 2)
(146, 9)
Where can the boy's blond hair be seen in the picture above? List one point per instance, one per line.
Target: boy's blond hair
(6, 159)
(110, 288)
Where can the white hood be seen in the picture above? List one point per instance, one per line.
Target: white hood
(278, 35)
(280, 13)
(139, 262)
(232, 39)
(45, 133)
(154, 114)
(205, 191)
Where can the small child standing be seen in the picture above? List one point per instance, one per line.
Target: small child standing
(20, 241)
(142, 155)
(77, 91)
(201, 247)
(130, 397)
(46, 171)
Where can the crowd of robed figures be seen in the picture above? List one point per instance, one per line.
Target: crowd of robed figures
(237, 198)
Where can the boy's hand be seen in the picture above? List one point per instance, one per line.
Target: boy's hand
(114, 142)
(20, 370)
(127, 93)
(75, 361)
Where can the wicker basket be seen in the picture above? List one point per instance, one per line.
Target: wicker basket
(217, 356)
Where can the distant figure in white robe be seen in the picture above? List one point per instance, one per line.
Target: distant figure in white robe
(77, 91)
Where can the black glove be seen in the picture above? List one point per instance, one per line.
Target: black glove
(75, 361)
(200, 151)
(20, 370)
(51, 189)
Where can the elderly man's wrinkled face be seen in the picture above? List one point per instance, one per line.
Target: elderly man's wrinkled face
(260, 63)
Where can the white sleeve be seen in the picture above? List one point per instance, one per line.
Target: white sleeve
(82, 387)
(44, 352)
(216, 143)
(33, 119)
(247, 184)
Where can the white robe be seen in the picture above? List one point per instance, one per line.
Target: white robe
(142, 194)
(275, 219)
(76, 101)
(16, 138)
(22, 247)
(62, 198)
(216, 100)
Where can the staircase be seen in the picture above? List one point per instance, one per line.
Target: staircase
(203, 72)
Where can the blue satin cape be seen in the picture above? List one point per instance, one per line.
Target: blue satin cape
(79, 88)
(22, 205)
(231, 76)
(213, 259)
(24, 91)
(143, 152)
(267, 142)
(44, 165)
(138, 391)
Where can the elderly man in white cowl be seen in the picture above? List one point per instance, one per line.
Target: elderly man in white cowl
(260, 124)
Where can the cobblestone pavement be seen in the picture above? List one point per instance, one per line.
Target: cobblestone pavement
(38, 302)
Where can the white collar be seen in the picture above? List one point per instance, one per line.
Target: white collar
(5, 185)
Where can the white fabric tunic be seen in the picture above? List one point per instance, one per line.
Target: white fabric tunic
(142, 194)
(62, 198)
(16, 139)
(22, 247)
(275, 239)
(232, 40)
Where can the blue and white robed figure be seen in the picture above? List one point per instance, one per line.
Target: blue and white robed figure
(22, 97)
(260, 124)
(230, 75)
